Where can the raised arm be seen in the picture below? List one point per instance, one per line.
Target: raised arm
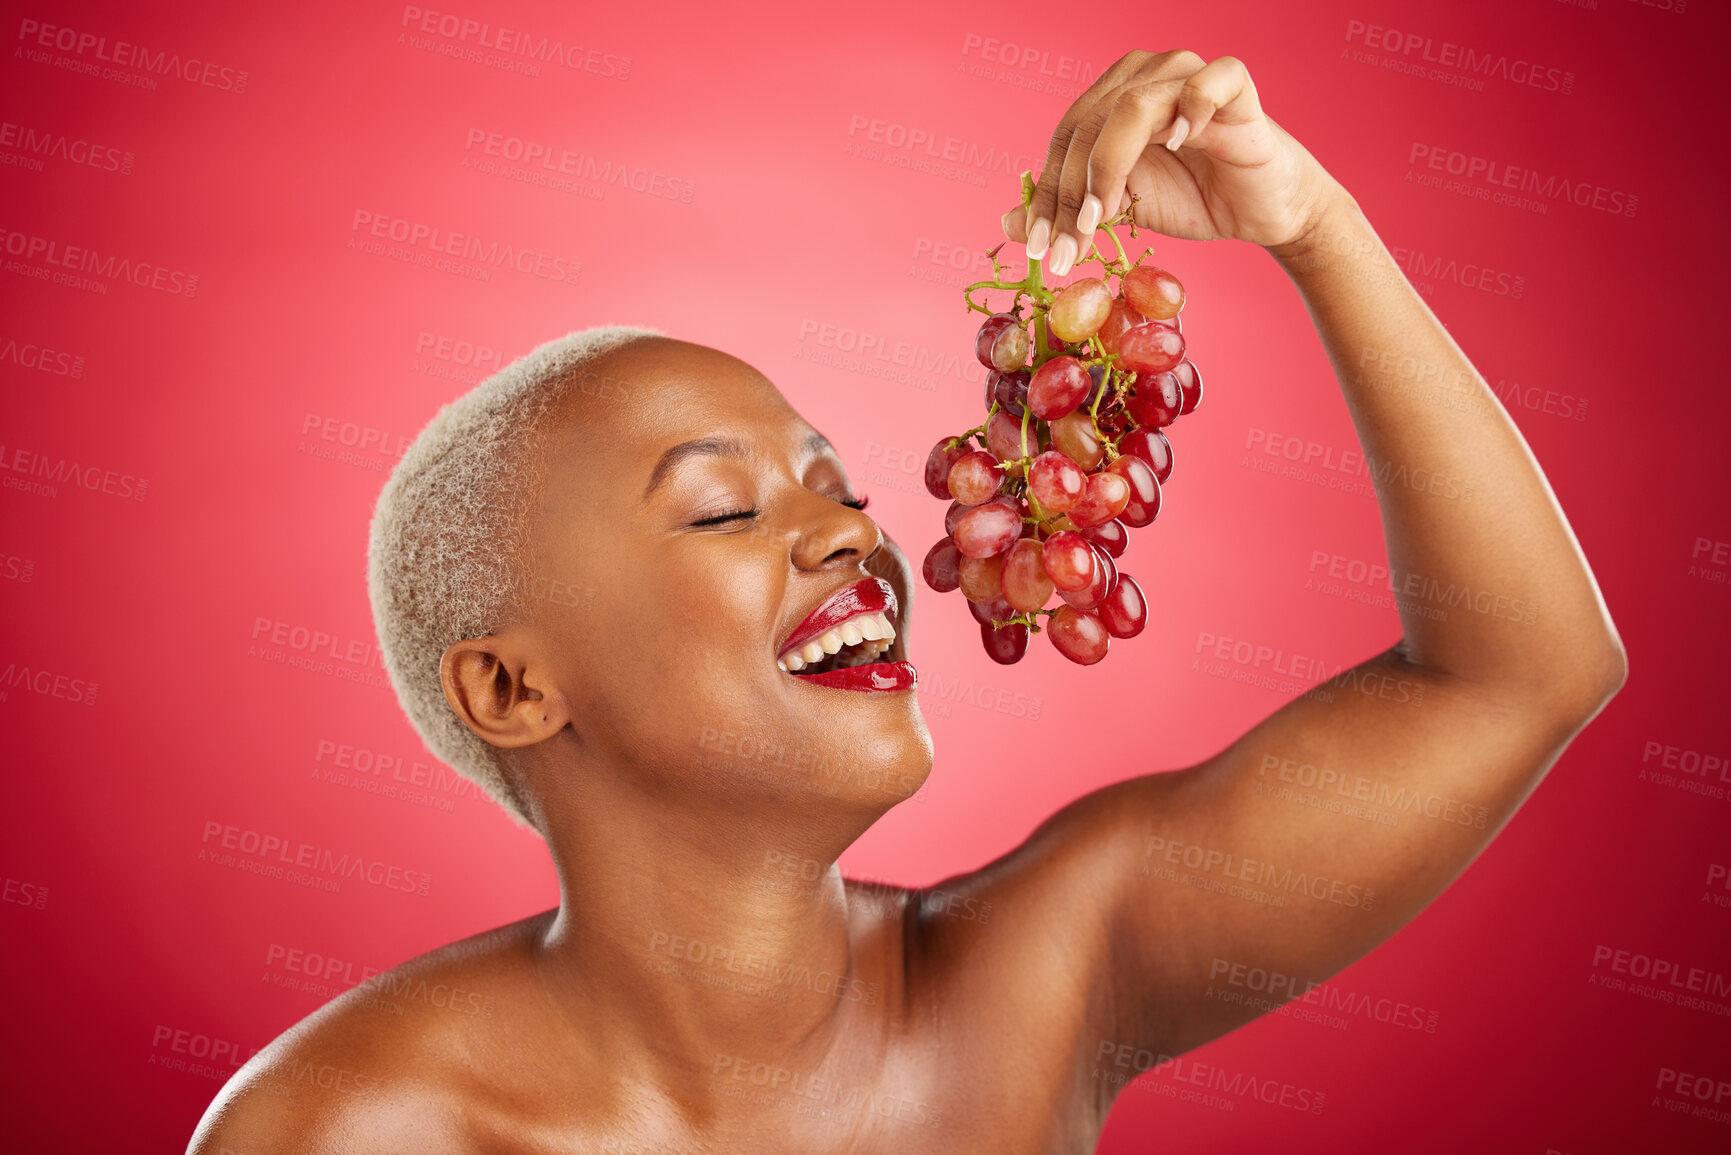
(1335, 820)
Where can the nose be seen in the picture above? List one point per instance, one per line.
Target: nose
(833, 535)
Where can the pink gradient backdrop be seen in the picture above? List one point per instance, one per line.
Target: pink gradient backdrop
(116, 931)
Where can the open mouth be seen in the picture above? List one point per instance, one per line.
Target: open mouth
(854, 628)
(858, 641)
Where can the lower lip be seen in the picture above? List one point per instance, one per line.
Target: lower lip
(876, 676)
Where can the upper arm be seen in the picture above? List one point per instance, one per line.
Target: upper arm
(1314, 837)
(1319, 833)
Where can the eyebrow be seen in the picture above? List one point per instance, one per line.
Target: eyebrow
(715, 447)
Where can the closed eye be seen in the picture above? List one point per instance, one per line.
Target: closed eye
(721, 517)
(855, 502)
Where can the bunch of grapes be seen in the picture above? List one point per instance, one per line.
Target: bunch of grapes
(1071, 456)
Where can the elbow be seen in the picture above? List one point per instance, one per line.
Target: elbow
(1597, 677)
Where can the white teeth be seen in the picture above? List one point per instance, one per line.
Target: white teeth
(874, 631)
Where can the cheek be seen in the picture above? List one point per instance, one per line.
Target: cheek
(680, 640)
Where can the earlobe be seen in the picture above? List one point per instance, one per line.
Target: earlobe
(500, 694)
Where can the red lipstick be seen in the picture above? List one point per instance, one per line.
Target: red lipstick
(866, 596)
(877, 676)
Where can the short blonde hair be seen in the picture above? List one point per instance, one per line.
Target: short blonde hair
(444, 559)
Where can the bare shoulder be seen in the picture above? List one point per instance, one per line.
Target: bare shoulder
(396, 1063)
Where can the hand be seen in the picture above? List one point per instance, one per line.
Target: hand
(1230, 171)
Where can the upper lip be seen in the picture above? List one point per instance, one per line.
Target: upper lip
(866, 596)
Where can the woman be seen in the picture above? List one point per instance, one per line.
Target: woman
(709, 982)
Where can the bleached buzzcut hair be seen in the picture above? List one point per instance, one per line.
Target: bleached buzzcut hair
(446, 554)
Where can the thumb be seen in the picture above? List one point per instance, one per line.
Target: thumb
(1015, 224)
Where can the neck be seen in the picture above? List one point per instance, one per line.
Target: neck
(713, 923)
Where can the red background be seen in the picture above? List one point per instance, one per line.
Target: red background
(118, 935)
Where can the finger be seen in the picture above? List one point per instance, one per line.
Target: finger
(1043, 207)
(1042, 212)
(1070, 232)
(1016, 224)
(1221, 91)
(1142, 115)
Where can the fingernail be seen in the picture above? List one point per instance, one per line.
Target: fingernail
(1063, 253)
(1089, 218)
(1180, 129)
(1037, 238)
(1004, 221)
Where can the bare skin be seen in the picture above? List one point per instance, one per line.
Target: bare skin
(709, 982)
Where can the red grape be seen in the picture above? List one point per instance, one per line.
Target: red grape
(1105, 577)
(1124, 612)
(1007, 645)
(1108, 494)
(1026, 583)
(1055, 481)
(1069, 559)
(1074, 436)
(1035, 509)
(938, 464)
(981, 578)
(1190, 381)
(1079, 309)
(1057, 387)
(1157, 399)
(1151, 446)
(1123, 316)
(1144, 504)
(1156, 293)
(1002, 343)
(1077, 635)
(975, 477)
(1110, 537)
(1004, 437)
(1010, 391)
(1150, 348)
(987, 529)
(942, 566)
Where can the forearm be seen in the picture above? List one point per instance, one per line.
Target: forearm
(1490, 584)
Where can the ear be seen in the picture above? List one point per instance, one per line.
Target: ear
(501, 692)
